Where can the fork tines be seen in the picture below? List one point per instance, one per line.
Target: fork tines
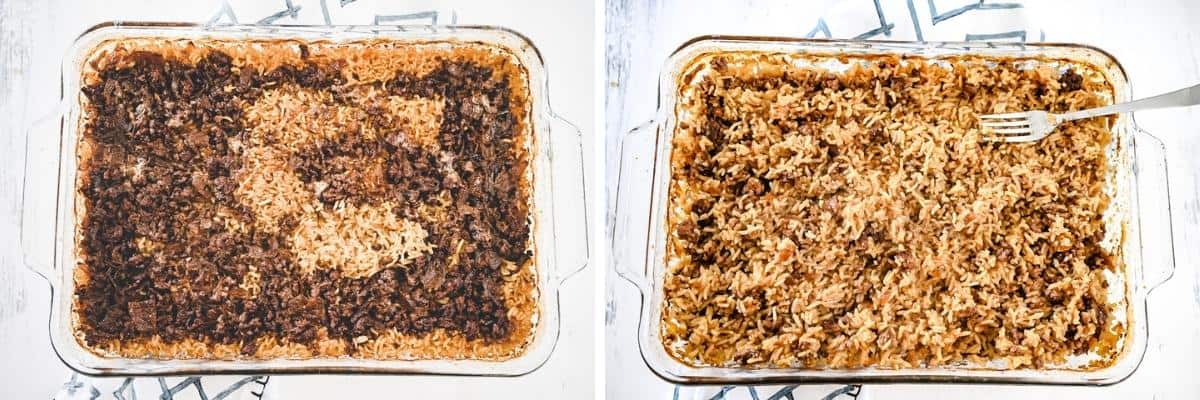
(1015, 127)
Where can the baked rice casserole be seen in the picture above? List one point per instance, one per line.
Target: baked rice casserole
(284, 199)
(834, 212)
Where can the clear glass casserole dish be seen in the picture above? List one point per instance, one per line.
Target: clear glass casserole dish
(1139, 211)
(49, 216)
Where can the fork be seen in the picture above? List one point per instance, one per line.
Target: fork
(1030, 126)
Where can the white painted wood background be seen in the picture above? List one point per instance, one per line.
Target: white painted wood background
(1157, 41)
(34, 36)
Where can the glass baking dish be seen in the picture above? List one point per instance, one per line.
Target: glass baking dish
(558, 232)
(1140, 209)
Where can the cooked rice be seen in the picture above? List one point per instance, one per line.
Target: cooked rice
(269, 188)
(359, 240)
(291, 117)
(847, 218)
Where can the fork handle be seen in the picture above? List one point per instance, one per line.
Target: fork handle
(1188, 96)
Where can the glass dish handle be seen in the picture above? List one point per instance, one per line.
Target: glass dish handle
(568, 172)
(1158, 246)
(37, 210)
(633, 187)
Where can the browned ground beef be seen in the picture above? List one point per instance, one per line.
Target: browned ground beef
(179, 119)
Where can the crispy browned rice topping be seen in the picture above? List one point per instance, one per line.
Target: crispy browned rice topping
(824, 219)
(282, 200)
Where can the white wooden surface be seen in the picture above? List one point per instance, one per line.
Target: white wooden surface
(1156, 41)
(34, 35)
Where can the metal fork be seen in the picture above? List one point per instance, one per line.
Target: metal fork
(1032, 126)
